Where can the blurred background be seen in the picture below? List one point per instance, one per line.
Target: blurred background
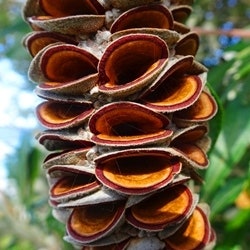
(25, 217)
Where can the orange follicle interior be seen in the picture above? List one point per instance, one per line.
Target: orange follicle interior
(131, 61)
(61, 8)
(164, 207)
(140, 171)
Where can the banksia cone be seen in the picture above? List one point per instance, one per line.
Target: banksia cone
(126, 112)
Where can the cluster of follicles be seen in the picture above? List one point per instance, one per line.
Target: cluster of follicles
(125, 109)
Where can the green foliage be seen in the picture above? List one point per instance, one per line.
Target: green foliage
(24, 209)
(29, 159)
(12, 30)
(215, 125)
(227, 175)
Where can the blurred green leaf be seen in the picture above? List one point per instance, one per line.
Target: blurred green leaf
(237, 136)
(25, 167)
(226, 196)
(34, 161)
(230, 148)
(218, 170)
(235, 234)
(234, 141)
(215, 125)
(216, 77)
(240, 220)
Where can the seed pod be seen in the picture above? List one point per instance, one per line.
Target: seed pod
(126, 113)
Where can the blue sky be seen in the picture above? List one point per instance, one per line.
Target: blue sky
(16, 112)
